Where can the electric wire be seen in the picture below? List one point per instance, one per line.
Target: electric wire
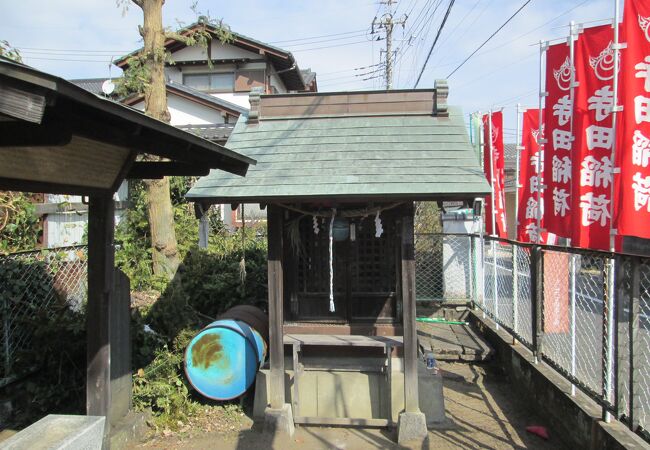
(489, 38)
(442, 26)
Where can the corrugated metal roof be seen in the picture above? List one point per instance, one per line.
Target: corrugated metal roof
(93, 85)
(377, 156)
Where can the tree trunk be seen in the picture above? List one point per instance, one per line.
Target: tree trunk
(161, 223)
(161, 214)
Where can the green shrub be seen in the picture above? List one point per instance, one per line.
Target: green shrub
(19, 224)
(208, 283)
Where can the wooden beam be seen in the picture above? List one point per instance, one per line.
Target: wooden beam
(14, 184)
(411, 403)
(25, 134)
(53, 208)
(101, 258)
(151, 170)
(343, 421)
(276, 295)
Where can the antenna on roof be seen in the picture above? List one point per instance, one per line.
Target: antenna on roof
(108, 86)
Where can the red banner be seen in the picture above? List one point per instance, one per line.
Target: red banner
(632, 198)
(530, 180)
(559, 138)
(594, 138)
(493, 156)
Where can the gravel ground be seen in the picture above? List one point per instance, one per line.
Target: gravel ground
(482, 413)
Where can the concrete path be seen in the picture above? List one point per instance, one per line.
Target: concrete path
(479, 402)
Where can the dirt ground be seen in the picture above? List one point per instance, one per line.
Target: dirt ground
(482, 413)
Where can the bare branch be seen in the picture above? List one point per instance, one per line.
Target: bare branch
(187, 40)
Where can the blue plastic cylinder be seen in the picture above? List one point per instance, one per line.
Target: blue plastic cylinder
(221, 362)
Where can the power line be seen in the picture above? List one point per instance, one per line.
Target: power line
(327, 40)
(317, 37)
(329, 46)
(451, 33)
(423, 22)
(69, 60)
(491, 36)
(435, 41)
(67, 50)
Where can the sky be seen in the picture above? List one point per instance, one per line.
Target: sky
(78, 38)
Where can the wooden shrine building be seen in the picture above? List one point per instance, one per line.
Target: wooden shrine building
(338, 174)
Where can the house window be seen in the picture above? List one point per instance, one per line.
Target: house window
(248, 79)
(211, 82)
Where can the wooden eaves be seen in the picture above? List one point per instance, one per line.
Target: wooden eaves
(43, 114)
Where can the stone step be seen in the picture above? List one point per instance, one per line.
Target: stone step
(453, 342)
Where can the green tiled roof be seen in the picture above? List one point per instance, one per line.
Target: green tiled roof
(420, 157)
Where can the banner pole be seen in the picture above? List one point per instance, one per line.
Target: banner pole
(515, 254)
(608, 314)
(572, 257)
(492, 175)
(494, 228)
(540, 140)
(481, 149)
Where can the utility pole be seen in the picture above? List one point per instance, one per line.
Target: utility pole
(387, 23)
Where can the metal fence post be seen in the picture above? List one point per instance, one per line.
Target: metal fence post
(635, 354)
(482, 274)
(607, 351)
(494, 284)
(473, 268)
(620, 356)
(537, 300)
(572, 318)
(515, 291)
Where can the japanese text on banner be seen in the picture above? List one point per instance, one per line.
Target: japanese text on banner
(558, 117)
(632, 198)
(594, 138)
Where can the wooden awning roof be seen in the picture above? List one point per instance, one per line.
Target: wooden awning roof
(350, 146)
(56, 137)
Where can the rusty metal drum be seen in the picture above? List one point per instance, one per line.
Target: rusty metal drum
(221, 362)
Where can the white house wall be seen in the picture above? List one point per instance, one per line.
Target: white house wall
(186, 112)
(238, 98)
(219, 51)
(68, 228)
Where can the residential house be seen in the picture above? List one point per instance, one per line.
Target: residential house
(202, 98)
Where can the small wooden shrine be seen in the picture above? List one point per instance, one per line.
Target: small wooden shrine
(338, 174)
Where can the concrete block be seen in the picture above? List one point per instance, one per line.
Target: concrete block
(129, 430)
(430, 396)
(349, 393)
(412, 426)
(60, 432)
(279, 422)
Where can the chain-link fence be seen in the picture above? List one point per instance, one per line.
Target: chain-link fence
(585, 313)
(444, 267)
(31, 283)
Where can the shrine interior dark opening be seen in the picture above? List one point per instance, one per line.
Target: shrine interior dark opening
(365, 265)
